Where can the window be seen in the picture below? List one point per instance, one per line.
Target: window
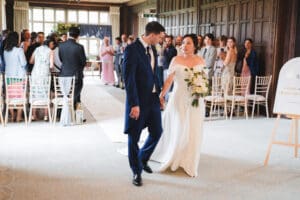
(60, 16)
(83, 17)
(93, 17)
(72, 16)
(104, 18)
(46, 19)
(49, 15)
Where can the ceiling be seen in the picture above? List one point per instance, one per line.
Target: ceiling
(128, 2)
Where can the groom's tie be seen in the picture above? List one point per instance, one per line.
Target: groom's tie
(148, 53)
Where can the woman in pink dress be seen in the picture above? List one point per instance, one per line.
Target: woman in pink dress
(106, 54)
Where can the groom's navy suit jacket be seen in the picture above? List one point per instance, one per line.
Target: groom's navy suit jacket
(139, 81)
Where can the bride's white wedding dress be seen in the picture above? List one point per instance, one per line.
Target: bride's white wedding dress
(180, 143)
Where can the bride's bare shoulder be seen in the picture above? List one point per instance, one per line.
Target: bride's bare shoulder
(200, 60)
(177, 59)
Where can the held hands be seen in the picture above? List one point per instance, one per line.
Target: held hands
(162, 102)
(135, 112)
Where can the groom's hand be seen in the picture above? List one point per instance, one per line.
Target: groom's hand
(135, 112)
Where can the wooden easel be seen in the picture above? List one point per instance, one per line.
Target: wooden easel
(293, 133)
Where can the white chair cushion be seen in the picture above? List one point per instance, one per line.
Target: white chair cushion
(40, 102)
(16, 101)
(59, 101)
(255, 97)
(235, 98)
(214, 98)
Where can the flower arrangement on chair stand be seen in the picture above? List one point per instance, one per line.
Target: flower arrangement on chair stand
(197, 84)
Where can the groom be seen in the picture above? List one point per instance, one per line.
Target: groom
(142, 99)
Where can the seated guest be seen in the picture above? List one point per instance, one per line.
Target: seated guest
(43, 59)
(15, 63)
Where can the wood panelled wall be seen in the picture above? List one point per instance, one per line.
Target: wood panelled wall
(178, 16)
(238, 18)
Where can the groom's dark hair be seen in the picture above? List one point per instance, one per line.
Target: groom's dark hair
(154, 27)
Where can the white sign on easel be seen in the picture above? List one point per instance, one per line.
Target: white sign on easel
(287, 102)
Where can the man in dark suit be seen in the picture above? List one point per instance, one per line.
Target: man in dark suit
(73, 60)
(142, 98)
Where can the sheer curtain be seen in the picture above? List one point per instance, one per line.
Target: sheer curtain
(21, 12)
(114, 13)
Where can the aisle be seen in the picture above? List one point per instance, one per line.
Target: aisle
(42, 162)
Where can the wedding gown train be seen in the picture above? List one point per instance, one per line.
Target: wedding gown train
(180, 143)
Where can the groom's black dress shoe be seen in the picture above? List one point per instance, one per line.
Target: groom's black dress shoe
(137, 180)
(147, 168)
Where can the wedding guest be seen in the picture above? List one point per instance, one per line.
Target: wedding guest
(25, 39)
(39, 41)
(221, 54)
(2, 45)
(117, 61)
(250, 62)
(73, 60)
(15, 63)
(64, 37)
(33, 37)
(200, 42)
(43, 60)
(229, 62)
(106, 54)
(160, 47)
(169, 53)
(123, 46)
(178, 42)
(130, 39)
(209, 53)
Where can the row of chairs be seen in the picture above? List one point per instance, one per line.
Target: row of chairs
(38, 96)
(230, 95)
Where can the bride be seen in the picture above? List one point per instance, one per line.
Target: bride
(180, 143)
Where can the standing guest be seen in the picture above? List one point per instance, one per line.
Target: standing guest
(33, 37)
(130, 39)
(15, 63)
(43, 59)
(39, 41)
(160, 47)
(169, 53)
(200, 42)
(117, 60)
(73, 60)
(142, 99)
(106, 54)
(123, 46)
(25, 39)
(250, 62)
(64, 37)
(178, 42)
(209, 53)
(229, 62)
(2, 45)
(221, 54)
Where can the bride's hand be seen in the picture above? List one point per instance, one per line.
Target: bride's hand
(162, 102)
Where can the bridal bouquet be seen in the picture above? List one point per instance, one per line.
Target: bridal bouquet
(197, 84)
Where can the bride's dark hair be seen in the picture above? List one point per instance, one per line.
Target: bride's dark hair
(194, 39)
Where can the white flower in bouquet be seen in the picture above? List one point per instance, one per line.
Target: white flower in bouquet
(197, 84)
